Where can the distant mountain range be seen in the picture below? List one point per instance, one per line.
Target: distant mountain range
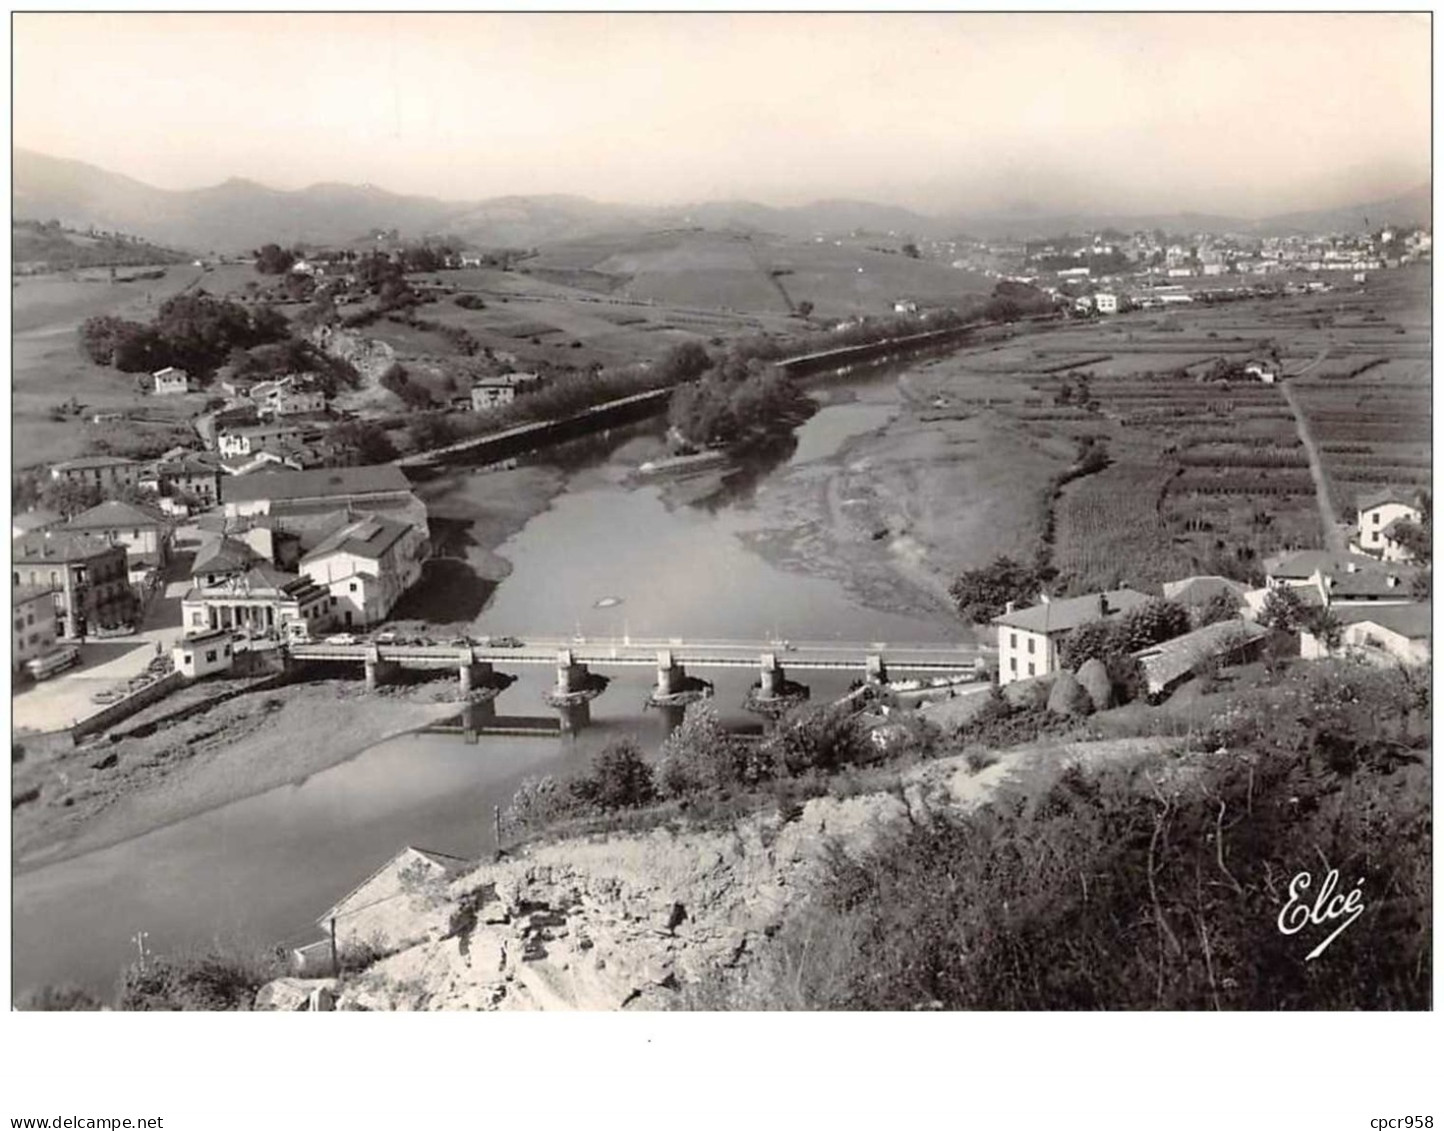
(239, 214)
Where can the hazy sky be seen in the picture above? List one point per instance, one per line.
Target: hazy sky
(1242, 114)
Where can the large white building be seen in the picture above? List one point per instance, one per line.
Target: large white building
(1028, 638)
(366, 566)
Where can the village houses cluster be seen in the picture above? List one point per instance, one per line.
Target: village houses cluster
(1370, 594)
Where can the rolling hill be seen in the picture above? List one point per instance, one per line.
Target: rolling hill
(238, 214)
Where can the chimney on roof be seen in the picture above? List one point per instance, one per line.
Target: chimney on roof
(1351, 567)
(1392, 581)
(1103, 604)
(1010, 606)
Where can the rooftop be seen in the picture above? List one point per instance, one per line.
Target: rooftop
(85, 463)
(201, 638)
(34, 520)
(59, 546)
(1165, 663)
(1381, 495)
(1066, 615)
(321, 483)
(367, 538)
(224, 555)
(1305, 563)
(1195, 591)
(1412, 621)
(114, 515)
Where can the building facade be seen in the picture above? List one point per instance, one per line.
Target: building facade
(145, 534)
(1378, 512)
(33, 616)
(1028, 639)
(98, 471)
(171, 381)
(88, 578)
(203, 654)
(366, 566)
(262, 601)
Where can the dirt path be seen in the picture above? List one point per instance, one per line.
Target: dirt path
(1333, 539)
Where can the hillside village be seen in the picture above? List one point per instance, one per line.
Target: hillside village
(263, 491)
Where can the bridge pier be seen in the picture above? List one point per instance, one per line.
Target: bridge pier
(470, 673)
(572, 677)
(876, 669)
(773, 677)
(670, 674)
(379, 671)
(774, 693)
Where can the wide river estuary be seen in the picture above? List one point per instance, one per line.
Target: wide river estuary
(609, 558)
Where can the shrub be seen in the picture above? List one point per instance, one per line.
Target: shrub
(1093, 677)
(1103, 891)
(210, 980)
(819, 738)
(619, 779)
(1068, 697)
(59, 999)
(469, 302)
(701, 755)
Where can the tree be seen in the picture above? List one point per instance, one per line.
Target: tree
(1152, 623)
(68, 499)
(701, 754)
(1219, 607)
(272, 259)
(819, 738)
(982, 594)
(1283, 609)
(619, 779)
(1322, 624)
(362, 442)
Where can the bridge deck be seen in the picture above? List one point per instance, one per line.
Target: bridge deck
(816, 656)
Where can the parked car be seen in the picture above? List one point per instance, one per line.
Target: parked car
(341, 638)
(111, 696)
(43, 667)
(103, 632)
(505, 642)
(385, 638)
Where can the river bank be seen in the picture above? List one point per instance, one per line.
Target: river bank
(898, 512)
(97, 796)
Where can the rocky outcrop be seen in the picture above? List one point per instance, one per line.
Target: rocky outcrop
(628, 921)
(371, 358)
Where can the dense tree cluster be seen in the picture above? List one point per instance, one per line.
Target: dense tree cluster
(272, 259)
(193, 331)
(728, 407)
(982, 594)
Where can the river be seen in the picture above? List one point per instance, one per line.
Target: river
(611, 557)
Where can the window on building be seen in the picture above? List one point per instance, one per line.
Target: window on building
(1013, 665)
(19, 624)
(35, 638)
(211, 656)
(17, 577)
(353, 587)
(198, 618)
(1376, 518)
(1012, 640)
(1030, 668)
(1031, 642)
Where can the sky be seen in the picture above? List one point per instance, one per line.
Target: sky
(1246, 115)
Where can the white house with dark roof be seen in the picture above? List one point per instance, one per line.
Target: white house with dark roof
(1028, 638)
(171, 381)
(366, 565)
(1379, 512)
